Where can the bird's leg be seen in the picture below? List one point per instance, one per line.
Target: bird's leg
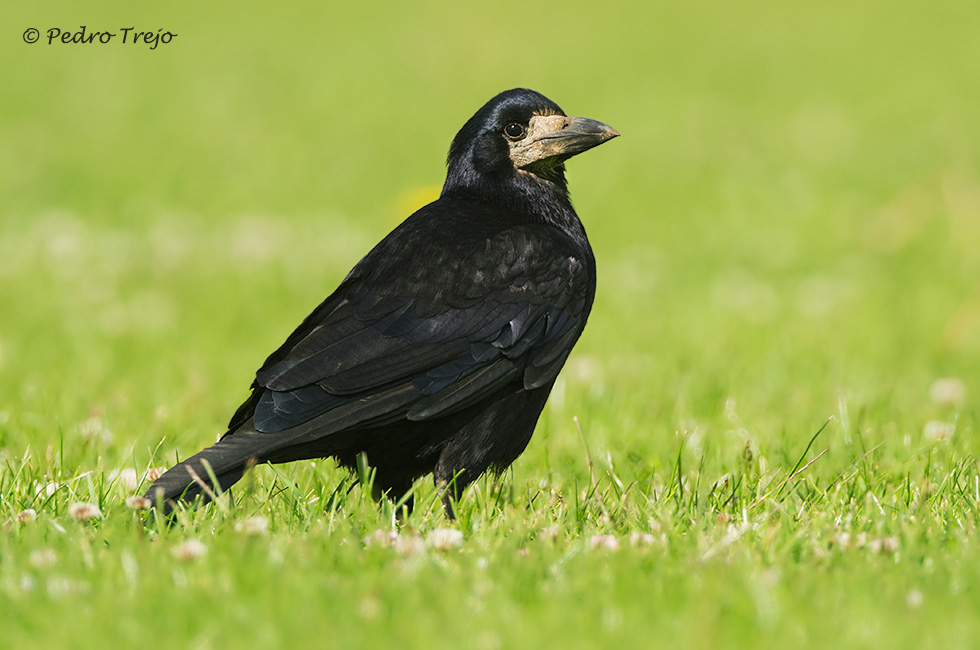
(447, 499)
(450, 485)
(452, 475)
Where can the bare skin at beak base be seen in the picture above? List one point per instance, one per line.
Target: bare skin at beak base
(558, 138)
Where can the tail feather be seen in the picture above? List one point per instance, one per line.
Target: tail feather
(226, 461)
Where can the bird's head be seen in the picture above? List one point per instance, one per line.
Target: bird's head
(519, 135)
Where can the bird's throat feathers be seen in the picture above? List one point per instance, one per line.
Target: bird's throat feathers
(541, 195)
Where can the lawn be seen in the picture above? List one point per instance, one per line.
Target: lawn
(767, 435)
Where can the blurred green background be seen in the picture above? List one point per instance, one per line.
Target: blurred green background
(787, 230)
(791, 215)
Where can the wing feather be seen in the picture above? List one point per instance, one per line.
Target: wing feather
(386, 345)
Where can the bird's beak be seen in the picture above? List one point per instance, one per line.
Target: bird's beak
(559, 137)
(576, 135)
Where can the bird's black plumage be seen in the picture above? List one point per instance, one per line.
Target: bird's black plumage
(437, 352)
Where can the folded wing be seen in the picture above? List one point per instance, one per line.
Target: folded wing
(376, 352)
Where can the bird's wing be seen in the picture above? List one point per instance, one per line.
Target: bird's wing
(389, 345)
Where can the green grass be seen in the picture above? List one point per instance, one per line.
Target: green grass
(787, 237)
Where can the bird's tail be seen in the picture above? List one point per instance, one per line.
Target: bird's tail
(210, 471)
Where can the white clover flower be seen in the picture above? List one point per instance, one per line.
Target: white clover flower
(948, 391)
(885, 545)
(382, 538)
(604, 542)
(914, 599)
(641, 539)
(94, 430)
(190, 550)
(443, 539)
(46, 490)
(138, 503)
(551, 533)
(253, 526)
(937, 431)
(126, 479)
(42, 558)
(83, 511)
(409, 545)
(26, 516)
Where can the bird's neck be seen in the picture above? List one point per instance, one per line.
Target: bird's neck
(535, 198)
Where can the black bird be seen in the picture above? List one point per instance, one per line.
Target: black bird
(439, 349)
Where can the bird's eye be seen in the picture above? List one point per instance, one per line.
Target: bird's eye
(515, 131)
